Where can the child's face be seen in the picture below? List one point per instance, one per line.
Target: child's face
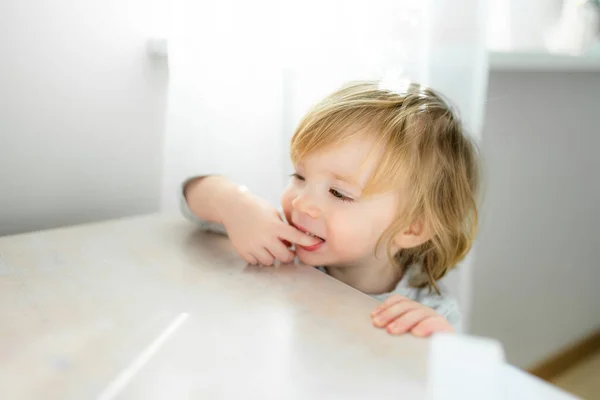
(324, 198)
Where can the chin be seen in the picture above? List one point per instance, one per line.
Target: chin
(312, 259)
(316, 259)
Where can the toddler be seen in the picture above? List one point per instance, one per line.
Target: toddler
(383, 198)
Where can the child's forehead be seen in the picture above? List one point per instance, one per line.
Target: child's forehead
(351, 160)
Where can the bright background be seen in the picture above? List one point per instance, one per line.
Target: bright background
(92, 127)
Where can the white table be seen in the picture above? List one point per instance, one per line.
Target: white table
(150, 308)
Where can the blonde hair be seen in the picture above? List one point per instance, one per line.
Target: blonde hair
(423, 144)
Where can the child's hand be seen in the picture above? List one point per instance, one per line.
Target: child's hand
(259, 234)
(399, 315)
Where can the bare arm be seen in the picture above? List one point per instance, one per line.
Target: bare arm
(210, 197)
(255, 228)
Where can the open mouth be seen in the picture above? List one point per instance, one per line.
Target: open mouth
(301, 229)
(313, 235)
(315, 246)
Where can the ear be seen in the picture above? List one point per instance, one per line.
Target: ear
(415, 235)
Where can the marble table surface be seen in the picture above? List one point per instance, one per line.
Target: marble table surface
(151, 308)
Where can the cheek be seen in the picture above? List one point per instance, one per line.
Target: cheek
(358, 230)
(350, 232)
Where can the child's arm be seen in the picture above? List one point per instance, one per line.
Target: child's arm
(255, 228)
(197, 197)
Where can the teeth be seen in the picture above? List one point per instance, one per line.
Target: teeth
(313, 235)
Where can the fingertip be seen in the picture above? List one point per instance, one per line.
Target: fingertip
(395, 330)
(376, 311)
(307, 240)
(304, 239)
(420, 332)
(383, 321)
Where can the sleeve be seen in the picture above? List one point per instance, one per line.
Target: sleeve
(444, 304)
(190, 216)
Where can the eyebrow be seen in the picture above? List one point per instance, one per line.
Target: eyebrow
(347, 179)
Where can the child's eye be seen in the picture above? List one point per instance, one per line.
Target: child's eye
(340, 196)
(297, 176)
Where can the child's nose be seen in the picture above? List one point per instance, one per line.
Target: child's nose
(306, 204)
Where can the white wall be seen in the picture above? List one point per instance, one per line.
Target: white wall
(81, 113)
(537, 268)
